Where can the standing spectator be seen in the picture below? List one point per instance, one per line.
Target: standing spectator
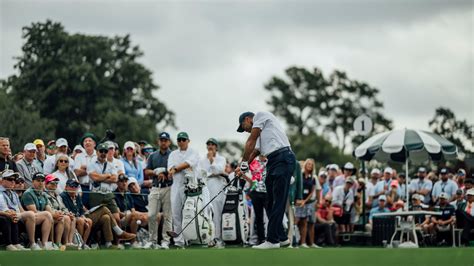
(325, 221)
(62, 172)
(460, 178)
(381, 208)
(5, 156)
(116, 163)
(160, 197)
(383, 186)
(348, 172)
(34, 199)
(76, 151)
(465, 215)
(11, 209)
(63, 147)
(370, 186)
(214, 165)
(41, 152)
(443, 223)
(82, 160)
(179, 161)
(73, 202)
(104, 181)
(27, 166)
(133, 167)
(444, 185)
(305, 209)
(332, 174)
(402, 186)
(325, 188)
(422, 185)
(343, 201)
(51, 149)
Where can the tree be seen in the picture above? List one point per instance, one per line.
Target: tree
(352, 99)
(302, 100)
(87, 83)
(21, 125)
(231, 150)
(459, 132)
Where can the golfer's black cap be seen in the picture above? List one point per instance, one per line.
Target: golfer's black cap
(241, 119)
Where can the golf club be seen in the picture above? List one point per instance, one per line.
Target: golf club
(174, 234)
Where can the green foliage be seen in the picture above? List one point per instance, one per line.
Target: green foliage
(309, 103)
(231, 150)
(87, 83)
(459, 132)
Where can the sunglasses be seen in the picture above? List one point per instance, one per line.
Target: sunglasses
(63, 161)
(9, 179)
(19, 181)
(182, 140)
(103, 151)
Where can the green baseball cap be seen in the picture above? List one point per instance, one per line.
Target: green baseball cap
(102, 146)
(213, 141)
(183, 135)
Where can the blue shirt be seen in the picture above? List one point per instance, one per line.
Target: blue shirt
(133, 169)
(377, 210)
(449, 187)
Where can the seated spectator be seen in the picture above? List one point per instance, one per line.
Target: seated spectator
(69, 221)
(393, 195)
(34, 200)
(325, 222)
(343, 201)
(444, 222)
(62, 172)
(12, 214)
(465, 216)
(459, 198)
(128, 215)
(421, 221)
(444, 185)
(73, 202)
(381, 208)
(19, 186)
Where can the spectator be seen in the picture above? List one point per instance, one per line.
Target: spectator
(383, 186)
(13, 214)
(133, 167)
(348, 171)
(18, 157)
(370, 186)
(305, 209)
(68, 219)
(460, 178)
(421, 185)
(159, 197)
(422, 221)
(73, 202)
(402, 186)
(140, 158)
(393, 195)
(213, 164)
(40, 152)
(116, 163)
(76, 151)
(325, 188)
(444, 185)
(465, 214)
(19, 186)
(127, 214)
(139, 207)
(381, 208)
(325, 221)
(51, 160)
(5, 156)
(82, 160)
(459, 198)
(343, 201)
(51, 149)
(34, 199)
(27, 166)
(179, 161)
(443, 223)
(62, 172)
(104, 181)
(332, 174)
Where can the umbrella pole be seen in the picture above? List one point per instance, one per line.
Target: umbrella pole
(406, 185)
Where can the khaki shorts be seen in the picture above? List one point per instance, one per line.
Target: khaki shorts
(108, 200)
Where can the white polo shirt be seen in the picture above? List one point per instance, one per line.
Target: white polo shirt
(178, 157)
(84, 159)
(272, 137)
(101, 168)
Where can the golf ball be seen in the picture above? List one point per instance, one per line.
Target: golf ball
(139, 222)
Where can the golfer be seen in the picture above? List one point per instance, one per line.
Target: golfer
(268, 138)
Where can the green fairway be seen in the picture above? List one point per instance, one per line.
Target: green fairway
(247, 256)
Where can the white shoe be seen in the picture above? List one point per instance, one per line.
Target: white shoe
(86, 247)
(285, 243)
(315, 246)
(136, 245)
(35, 247)
(165, 245)
(49, 246)
(11, 248)
(304, 246)
(21, 247)
(148, 245)
(267, 245)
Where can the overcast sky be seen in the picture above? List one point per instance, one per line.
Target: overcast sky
(211, 58)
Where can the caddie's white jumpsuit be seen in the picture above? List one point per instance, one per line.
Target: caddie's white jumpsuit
(215, 183)
(178, 197)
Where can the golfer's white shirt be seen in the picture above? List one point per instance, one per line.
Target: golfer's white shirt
(217, 166)
(84, 159)
(178, 157)
(272, 137)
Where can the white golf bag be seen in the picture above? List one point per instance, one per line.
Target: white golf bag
(201, 230)
(235, 227)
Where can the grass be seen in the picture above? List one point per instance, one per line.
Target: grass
(246, 256)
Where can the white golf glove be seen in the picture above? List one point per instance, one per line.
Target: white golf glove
(159, 170)
(244, 166)
(292, 180)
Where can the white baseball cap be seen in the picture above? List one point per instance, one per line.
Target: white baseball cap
(61, 142)
(418, 197)
(78, 147)
(470, 192)
(443, 195)
(382, 197)
(375, 171)
(129, 144)
(30, 147)
(132, 180)
(388, 170)
(333, 166)
(349, 166)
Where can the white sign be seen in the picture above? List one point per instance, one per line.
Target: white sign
(363, 125)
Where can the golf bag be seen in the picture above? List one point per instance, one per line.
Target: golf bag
(235, 228)
(201, 230)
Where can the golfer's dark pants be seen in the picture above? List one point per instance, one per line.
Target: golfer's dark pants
(259, 200)
(280, 168)
(9, 231)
